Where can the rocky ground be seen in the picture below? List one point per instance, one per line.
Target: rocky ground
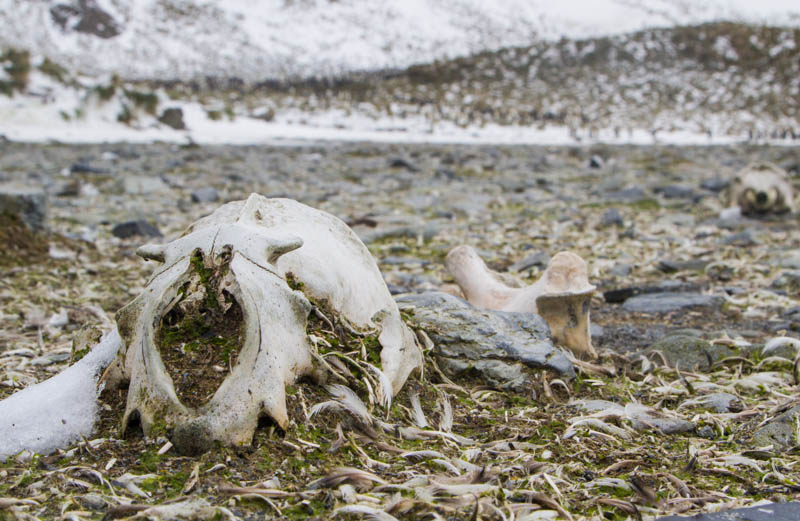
(685, 411)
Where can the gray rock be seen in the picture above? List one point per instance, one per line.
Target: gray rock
(715, 185)
(651, 419)
(666, 302)
(499, 346)
(780, 431)
(789, 260)
(676, 192)
(591, 406)
(788, 281)
(427, 232)
(83, 167)
(674, 266)
(26, 203)
(611, 217)
(142, 185)
(770, 512)
(679, 220)
(743, 239)
(621, 270)
(84, 16)
(595, 162)
(397, 260)
(690, 352)
(539, 259)
(719, 402)
(614, 296)
(173, 118)
(135, 228)
(206, 194)
(399, 162)
(642, 418)
(596, 331)
(628, 195)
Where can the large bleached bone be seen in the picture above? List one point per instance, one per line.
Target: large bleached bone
(243, 253)
(761, 188)
(561, 296)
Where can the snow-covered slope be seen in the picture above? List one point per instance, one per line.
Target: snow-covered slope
(278, 39)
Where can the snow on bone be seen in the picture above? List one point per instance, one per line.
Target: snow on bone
(59, 410)
(561, 296)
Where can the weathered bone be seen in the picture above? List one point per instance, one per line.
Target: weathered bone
(761, 188)
(254, 246)
(561, 296)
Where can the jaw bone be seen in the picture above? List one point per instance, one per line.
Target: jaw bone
(561, 296)
(243, 255)
(761, 188)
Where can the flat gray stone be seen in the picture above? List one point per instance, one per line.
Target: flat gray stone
(690, 352)
(617, 295)
(642, 418)
(770, 512)
(611, 217)
(206, 194)
(26, 203)
(139, 228)
(789, 260)
(538, 259)
(718, 402)
(779, 431)
(142, 185)
(787, 280)
(499, 346)
(666, 302)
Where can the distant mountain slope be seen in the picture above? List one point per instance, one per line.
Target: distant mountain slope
(279, 39)
(717, 78)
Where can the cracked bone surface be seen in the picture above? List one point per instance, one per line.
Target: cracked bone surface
(761, 188)
(561, 296)
(235, 269)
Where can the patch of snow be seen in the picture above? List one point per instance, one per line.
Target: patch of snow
(274, 39)
(293, 126)
(59, 411)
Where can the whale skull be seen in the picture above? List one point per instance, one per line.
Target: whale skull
(234, 264)
(761, 188)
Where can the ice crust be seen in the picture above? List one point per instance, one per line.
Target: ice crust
(58, 411)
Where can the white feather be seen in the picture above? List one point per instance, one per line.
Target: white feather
(345, 399)
(385, 392)
(446, 423)
(416, 408)
(370, 512)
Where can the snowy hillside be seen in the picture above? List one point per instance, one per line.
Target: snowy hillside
(278, 39)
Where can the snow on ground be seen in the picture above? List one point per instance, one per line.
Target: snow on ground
(293, 127)
(59, 411)
(272, 39)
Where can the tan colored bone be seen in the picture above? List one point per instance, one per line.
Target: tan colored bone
(561, 296)
(761, 188)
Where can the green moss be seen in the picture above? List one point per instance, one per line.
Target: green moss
(17, 65)
(146, 101)
(305, 509)
(105, 92)
(53, 70)
(77, 355)
(149, 459)
(125, 115)
(293, 283)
